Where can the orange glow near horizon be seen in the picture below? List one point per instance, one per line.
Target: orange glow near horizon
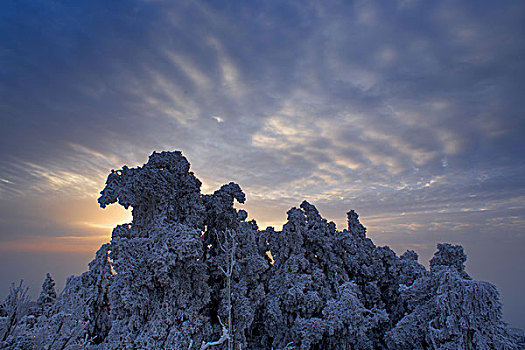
(66, 244)
(75, 225)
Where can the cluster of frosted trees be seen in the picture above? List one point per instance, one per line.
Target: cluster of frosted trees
(191, 273)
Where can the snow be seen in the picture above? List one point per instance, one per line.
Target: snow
(191, 273)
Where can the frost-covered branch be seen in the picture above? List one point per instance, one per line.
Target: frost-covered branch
(224, 337)
(15, 306)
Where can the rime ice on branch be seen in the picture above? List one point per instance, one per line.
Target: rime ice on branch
(161, 191)
(191, 273)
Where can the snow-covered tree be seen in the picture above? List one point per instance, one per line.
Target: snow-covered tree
(449, 310)
(15, 307)
(298, 285)
(161, 191)
(159, 295)
(449, 255)
(236, 266)
(189, 272)
(80, 315)
(349, 324)
(47, 297)
(314, 265)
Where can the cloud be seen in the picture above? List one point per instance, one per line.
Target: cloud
(296, 96)
(404, 107)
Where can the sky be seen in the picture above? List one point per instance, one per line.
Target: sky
(410, 112)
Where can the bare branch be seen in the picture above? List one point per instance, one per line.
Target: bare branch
(224, 337)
